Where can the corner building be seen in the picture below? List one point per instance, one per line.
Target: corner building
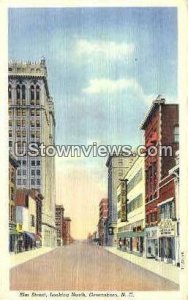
(161, 127)
(31, 119)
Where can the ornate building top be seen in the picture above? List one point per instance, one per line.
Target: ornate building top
(28, 68)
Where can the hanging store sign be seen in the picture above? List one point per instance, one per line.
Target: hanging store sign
(19, 227)
(167, 228)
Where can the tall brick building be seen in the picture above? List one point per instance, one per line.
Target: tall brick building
(67, 239)
(103, 215)
(161, 126)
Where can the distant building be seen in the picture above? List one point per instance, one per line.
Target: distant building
(103, 215)
(131, 209)
(161, 127)
(59, 217)
(32, 120)
(13, 165)
(67, 239)
(117, 166)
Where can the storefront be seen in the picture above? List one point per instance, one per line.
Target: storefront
(29, 240)
(13, 236)
(132, 242)
(151, 242)
(168, 248)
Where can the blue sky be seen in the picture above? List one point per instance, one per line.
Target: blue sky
(105, 67)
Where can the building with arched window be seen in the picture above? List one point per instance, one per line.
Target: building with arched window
(32, 119)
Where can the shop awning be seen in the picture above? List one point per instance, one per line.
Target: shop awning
(31, 235)
(128, 234)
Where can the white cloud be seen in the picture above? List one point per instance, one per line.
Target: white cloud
(105, 85)
(105, 49)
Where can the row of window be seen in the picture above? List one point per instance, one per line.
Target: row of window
(135, 203)
(22, 134)
(33, 162)
(23, 112)
(22, 123)
(24, 172)
(134, 181)
(167, 211)
(24, 181)
(34, 92)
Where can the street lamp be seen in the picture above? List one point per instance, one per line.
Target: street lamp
(124, 203)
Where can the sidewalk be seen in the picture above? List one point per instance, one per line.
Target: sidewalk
(20, 258)
(167, 271)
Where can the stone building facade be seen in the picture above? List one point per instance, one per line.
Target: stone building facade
(32, 120)
(131, 209)
(118, 166)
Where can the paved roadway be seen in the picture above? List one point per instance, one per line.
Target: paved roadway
(82, 266)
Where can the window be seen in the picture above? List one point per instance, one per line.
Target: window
(24, 162)
(167, 210)
(38, 162)
(10, 133)
(19, 172)
(32, 112)
(23, 92)
(23, 112)
(10, 143)
(10, 122)
(38, 172)
(32, 181)
(17, 92)
(18, 123)
(9, 92)
(38, 112)
(32, 94)
(19, 181)
(32, 135)
(38, 181)
(24, 182)
(24, 172)
(37, 123)
(33, 172)
(33, 163)
(24, 134)
(18, 112)
(176, 134)
(37, 93)
(32, 123)
(23, 123)
(38, 134)
(18, 134)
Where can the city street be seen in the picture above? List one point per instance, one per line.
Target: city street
(81, 266)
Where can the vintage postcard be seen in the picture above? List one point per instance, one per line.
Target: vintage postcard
(94, 113)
